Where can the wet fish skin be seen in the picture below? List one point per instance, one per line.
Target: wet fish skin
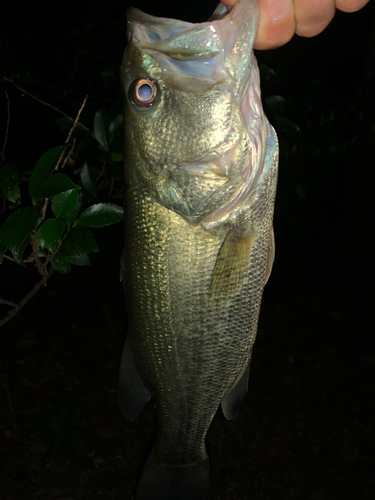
(201, 170)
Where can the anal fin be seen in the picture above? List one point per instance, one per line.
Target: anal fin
(232, 264)
(132, 393)
(232, 402)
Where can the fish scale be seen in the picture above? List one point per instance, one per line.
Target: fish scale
(198, 235)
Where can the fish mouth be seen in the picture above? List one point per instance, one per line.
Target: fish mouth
(226, 31)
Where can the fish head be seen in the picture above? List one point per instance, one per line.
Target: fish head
(184, 86)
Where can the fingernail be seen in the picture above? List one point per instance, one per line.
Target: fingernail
(277, 9)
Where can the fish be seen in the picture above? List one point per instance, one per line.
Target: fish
(200, 169)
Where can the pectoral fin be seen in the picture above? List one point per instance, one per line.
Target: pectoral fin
(232, 402)
(231, 265)
(270, 256)
(132, 393)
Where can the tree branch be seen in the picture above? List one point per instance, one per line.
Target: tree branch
(48, 105)
(76, 119)
(27, 297)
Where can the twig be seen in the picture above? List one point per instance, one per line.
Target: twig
(7, 302)
(8, 257)
(27, 297)
(48, 105)
(69, 153)
(59, 160)
(102, 170)
(44, 209)
(37, 261)
(54, 87)
(7, 129)
(76, 119)
(69, 135)
(29, 259)
(78, 149)
(51, 256)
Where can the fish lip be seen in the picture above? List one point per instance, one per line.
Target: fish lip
(147, 30)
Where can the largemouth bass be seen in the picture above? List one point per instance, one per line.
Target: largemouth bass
(201, 170)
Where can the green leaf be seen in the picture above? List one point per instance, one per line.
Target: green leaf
(79, 241)
(49, 233)
(101, 214)
(79, 260)
(89, 177)
(115, 126)
(276, 104)
(287, 126)
(77, 443)
(55, 184)
(350, 446)
(60, 264)
(66, 407)
(17, 227)
(44, 168)
(22, 248)
(101, 127)
(116, 157)
(64, 203)
(70, 219)
(4, 383)
(9, 180)
(49, 423)
(64, 123)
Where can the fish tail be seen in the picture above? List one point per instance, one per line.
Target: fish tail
(160, 481)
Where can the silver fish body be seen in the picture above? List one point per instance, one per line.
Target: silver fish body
(201, 171)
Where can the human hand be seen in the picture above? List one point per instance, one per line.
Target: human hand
(280, 19)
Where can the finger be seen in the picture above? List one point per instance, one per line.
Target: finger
(313, 17)
(276, 24)
(350, 5)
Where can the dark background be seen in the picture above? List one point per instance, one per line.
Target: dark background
(306, 429)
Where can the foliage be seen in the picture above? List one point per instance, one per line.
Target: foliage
(50, 213)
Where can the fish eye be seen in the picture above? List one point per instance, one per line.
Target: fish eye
(143, 93)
